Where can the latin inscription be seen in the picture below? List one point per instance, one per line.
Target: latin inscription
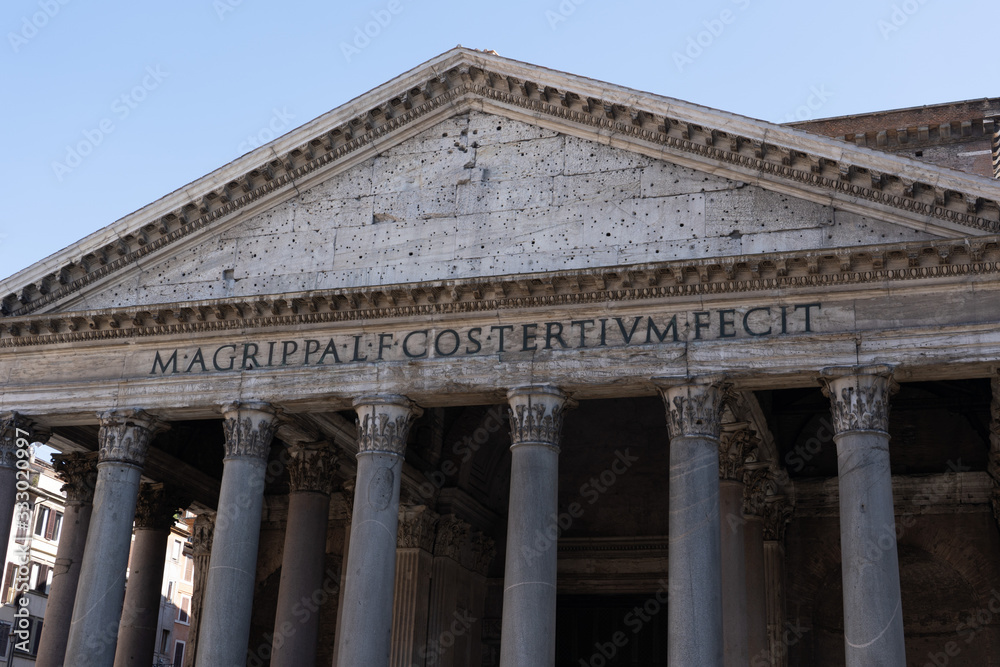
(437, 343)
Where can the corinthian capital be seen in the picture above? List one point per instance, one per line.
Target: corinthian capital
(125, 435)
(13, 427)
(694, 406)
(249, 428)
(536, 415)
(158, 506)
(737, 443)
(79, 472)
(859, 397)
(312, 467)
(384, 423)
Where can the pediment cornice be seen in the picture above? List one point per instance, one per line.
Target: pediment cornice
(875, 266)
(887, 186)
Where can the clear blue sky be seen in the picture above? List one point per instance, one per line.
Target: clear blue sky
(205, 80)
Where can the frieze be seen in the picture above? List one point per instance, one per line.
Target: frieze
(478, 77)
(878, 264)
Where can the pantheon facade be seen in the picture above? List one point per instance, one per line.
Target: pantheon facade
(498, 365)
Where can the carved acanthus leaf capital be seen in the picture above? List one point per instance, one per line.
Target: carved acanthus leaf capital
(737, 443)
(312, 467)
(859, 397)
(777, 514)
(249, 429)
(536, 415)
(125, 435)
(202, 533)
(13, 427)
(79, 472)
(416, 528)
(757, 483)
(694, 406)
(158, 506)
(452, 534)
(484, 550)
(383, 423)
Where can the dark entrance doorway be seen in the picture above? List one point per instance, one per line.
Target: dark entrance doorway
(611, 631)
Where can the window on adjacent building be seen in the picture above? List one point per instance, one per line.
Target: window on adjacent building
(40, 578)
(34, 632)
(48, 523)
(8, 583)
(164, 640)
(178, 653)
(5, 629)
(183, 613)
(41, 519)
(176, 552)
(188, 568)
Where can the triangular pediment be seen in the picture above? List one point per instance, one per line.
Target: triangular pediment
(476, 166)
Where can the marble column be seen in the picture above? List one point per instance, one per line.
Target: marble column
(312, 469)
(873, 613)
(124, 439)
(694, 607)
(383, 425)
(412, 596)
(155, 514)
(79, 472)
(17, 432)
(755, 478)
(225, 625)
(201, 552)
(529, 597)
(777, 512)
(736, 442)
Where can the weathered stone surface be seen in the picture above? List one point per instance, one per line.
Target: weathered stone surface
(464, 199)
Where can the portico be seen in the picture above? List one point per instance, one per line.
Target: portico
(440, 460)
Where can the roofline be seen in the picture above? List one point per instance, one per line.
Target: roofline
(757, 132)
